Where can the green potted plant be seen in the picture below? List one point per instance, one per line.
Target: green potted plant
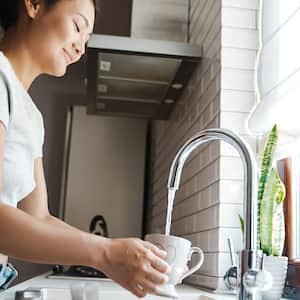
(271, 228)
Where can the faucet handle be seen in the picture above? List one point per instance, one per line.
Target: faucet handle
(257, 281)
(230, 278)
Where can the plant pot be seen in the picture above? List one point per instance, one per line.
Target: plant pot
(277, 266)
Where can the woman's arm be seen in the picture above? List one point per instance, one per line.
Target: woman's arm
(36, 203)
(61, 224)
(130, 262)
(28, 238)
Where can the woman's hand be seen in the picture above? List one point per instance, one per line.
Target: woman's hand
(136, 265)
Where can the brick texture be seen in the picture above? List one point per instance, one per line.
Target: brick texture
(220, 94)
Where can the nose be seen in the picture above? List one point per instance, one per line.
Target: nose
(79, 49)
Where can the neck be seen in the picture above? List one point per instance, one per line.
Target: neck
(14, 47)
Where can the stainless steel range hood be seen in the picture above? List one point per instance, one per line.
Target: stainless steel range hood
(136, 77)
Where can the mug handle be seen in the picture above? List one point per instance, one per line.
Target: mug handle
(196, 266)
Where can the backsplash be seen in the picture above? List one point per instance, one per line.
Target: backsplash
(219, 95)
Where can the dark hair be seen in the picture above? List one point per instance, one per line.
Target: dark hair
(9, 10)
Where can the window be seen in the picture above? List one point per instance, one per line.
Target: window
(278, 82)
(279, 68)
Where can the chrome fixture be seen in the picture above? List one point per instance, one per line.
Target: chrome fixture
(249, 285)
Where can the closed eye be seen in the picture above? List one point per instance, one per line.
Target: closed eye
(76, 27)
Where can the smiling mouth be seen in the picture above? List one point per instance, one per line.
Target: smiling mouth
(67, 56)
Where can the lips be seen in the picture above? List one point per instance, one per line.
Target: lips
(68, 56)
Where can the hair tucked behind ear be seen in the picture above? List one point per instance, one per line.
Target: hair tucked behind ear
(9, 10)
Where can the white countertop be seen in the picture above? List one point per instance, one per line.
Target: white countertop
(103, 289)
(106, 289)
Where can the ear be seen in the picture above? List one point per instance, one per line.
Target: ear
(32, 7)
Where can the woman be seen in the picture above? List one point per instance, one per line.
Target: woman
(44, 37)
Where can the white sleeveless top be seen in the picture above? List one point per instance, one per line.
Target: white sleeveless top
(24, 136)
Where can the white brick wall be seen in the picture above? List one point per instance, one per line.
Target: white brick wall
(239, 46)
(220, 94)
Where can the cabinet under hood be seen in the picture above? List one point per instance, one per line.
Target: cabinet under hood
(142, 76)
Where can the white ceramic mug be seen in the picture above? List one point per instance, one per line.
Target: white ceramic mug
(179, 252)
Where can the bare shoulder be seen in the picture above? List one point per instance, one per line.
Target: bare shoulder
(38, 165)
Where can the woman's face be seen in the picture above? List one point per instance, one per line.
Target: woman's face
(57, 35)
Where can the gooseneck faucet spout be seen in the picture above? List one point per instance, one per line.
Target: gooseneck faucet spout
(251, 258)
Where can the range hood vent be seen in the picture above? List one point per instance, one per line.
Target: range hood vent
(138, 77)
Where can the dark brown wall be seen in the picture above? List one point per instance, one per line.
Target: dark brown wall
(114, 17)
(53, 96)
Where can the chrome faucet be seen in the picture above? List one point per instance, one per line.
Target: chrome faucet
(250, 257)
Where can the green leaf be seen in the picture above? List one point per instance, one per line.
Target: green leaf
(278, 230)
(271, 215)
(267, 159)
(265, 170)
(278, 234)
(242, 224)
